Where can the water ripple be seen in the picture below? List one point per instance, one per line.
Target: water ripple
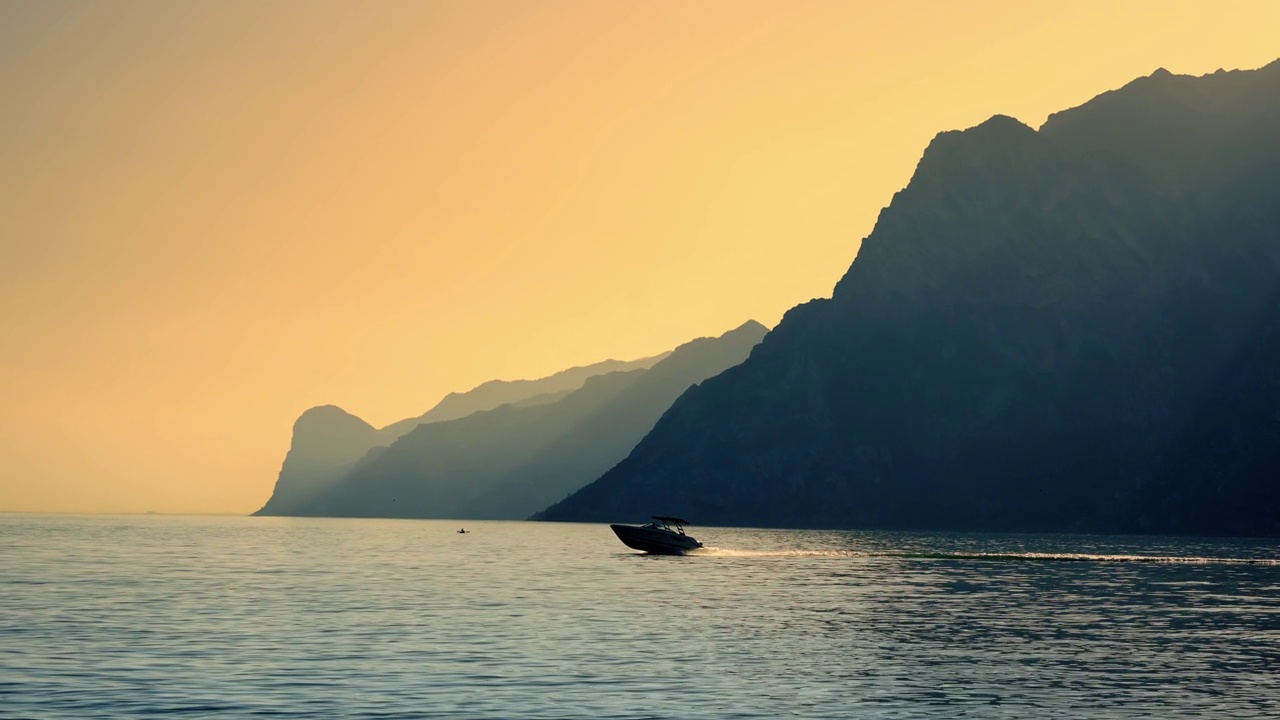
(115, 617)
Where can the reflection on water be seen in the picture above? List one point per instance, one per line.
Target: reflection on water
(235, 617)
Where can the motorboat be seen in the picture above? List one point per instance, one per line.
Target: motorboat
(664, 536)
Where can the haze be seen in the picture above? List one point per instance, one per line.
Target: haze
(216, 215)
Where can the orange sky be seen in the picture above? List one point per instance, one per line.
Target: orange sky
(214, 215)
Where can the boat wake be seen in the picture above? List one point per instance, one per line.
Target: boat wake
(707, 551)
(990, 556)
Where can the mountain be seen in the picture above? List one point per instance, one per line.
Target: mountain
(1070, 329)
(328, 441)
(508, 462)
(496, 393)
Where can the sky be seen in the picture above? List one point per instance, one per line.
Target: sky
(215, 215)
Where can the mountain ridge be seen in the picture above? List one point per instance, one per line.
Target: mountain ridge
(1034, 324)
(326, 443)
(509, 461)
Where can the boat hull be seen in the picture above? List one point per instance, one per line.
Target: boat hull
(655, 541)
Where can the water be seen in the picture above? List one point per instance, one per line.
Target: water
(131, 616)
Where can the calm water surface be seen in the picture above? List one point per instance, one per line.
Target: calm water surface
(112, 617)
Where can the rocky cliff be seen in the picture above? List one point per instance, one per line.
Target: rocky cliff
(1070, 329)
(327, 441)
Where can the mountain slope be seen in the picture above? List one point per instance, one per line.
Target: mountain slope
(1030, 339)
(328, 441)
(497, 393)
(512, 460)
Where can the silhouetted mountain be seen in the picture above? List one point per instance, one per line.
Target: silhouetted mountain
(328, 441)
(496, 393)
(510, 461)
(1066, 330)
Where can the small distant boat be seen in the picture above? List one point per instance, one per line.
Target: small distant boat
(462, 531)
(664, 536)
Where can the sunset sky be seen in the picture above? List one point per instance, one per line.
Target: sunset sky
(214, 215)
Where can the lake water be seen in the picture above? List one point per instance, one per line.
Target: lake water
(228, 617)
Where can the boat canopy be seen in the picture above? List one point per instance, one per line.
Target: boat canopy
(669, 519)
